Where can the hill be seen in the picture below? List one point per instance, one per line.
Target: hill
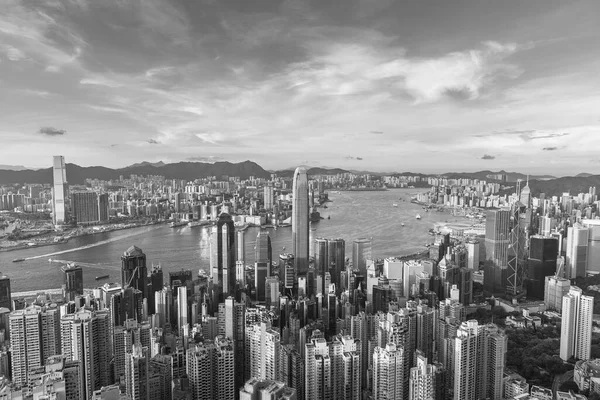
(483, 175)
(181, 170)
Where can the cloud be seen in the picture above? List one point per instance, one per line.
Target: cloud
(153, 141)
(359, 158)
(550, 148)
(353, 158)
(204, 159)
(12, 53)
(488, 157)
(49, 131)
(376, 132)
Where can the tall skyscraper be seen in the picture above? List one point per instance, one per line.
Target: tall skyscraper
(73, 285)
(556, 287)
(210, 369)
(134, 272)
(263, 256)
(361, 252)
(182, 310)
(268, 197)
(336, 260)
(241, 246)
(497, 229)
(425, 380)
(543, 253)
(593, 248)
(59, 191)
(5, 293)
(576, 325)
(222, 256)
(26, 341)
(576, 251)
(300, 225)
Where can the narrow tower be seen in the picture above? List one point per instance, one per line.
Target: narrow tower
(300, 221)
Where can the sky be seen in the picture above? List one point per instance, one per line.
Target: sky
(378, 85)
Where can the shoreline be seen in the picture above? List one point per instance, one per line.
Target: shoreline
(23, 246)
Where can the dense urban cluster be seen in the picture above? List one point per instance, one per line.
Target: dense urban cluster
(328, 319)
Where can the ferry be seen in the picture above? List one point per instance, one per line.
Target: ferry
(18, 259)
(418, 216)
(176, 224)
(99, 278)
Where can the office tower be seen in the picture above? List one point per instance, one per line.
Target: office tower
(182, 277)
(163, 303)
(259, 389)
(336, 261)
(161, 365)
(59, 191)
(182, 310)
(318, 384)
(497, 229)
(479, 361)
(235, 328)
(300, 226)
(545, 225)
(473, 254)
(5, 293)
(268, 197)
(156, 284)
(241, 247)
(593, 248)
(554, 291)
(263, 256)
(126, 304)
(517, 254)
(320, 256)
(133, 270)
(272, 292)
(103, 205)
(85, 338)
(73, 285)
(543, 252)
(85, 208)
(525, 196)
(26, 342)
(576, 325)
(576, 251)
(388, 374)
(210, 369)
(361, 252)
(425, 380)
(124, 338)
(222, 256)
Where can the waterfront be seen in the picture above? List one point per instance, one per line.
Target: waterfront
(353, 214)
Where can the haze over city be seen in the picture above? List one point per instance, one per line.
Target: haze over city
(363, 84)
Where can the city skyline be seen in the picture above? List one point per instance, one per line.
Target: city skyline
(503, 85)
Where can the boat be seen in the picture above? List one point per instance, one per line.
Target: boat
(395, 205)
(418, 216)
(176, 224)
(18, 259)
(329, 217)
(49, 260)
(98, 278)
(402, 224)
(315, 216)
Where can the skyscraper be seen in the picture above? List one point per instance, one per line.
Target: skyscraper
(268, 197)
(5, 293)
(543, 254)
(85, 207)
(222, 256)
(556, 287)
(300, 226)
(210, 368)
(576, 251)
(361, 252)
(59, 191)
(388, 374)
(26, 341)
(241, 246)
(576, 326)
(134, 272)
(73, 285)
(336, 260)
(182, 310)
(263, 256)
(424, 380)
(497, 229)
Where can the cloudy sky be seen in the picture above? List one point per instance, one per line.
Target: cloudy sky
(378, 85)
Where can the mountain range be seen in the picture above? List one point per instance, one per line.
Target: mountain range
(193, 170)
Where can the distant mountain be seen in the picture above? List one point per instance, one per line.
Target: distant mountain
(289, 173)
(181, 170)
(483, 175)
(147, 164)
(583, 175)
(558, 186)
(13, 167)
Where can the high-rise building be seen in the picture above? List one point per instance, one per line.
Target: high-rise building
(259, 389)
(300, 218)
(134, 272)
(156, 283)
(263, 256)
(268, 197)
(124, 338)
(336, 261)
(472, 254)
(86, 338)
(103, 205)
(222, 256)
(182, 310)
(5, 293)
(241, 246)
(263, 345)
(321, 259)
(361, 252)
(26, 342)
(425, 380)
(543, 253)
(576, 325)
(593, 248)
(60, 189)
(73, 285)
(577, 251)
(388, 372)
(85, 207)
(497, 230)
(211, 369)
(556, 287)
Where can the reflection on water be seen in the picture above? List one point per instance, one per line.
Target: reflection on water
(353, 215)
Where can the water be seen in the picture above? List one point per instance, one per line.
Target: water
(353, 215)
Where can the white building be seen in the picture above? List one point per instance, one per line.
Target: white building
(576, 325)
